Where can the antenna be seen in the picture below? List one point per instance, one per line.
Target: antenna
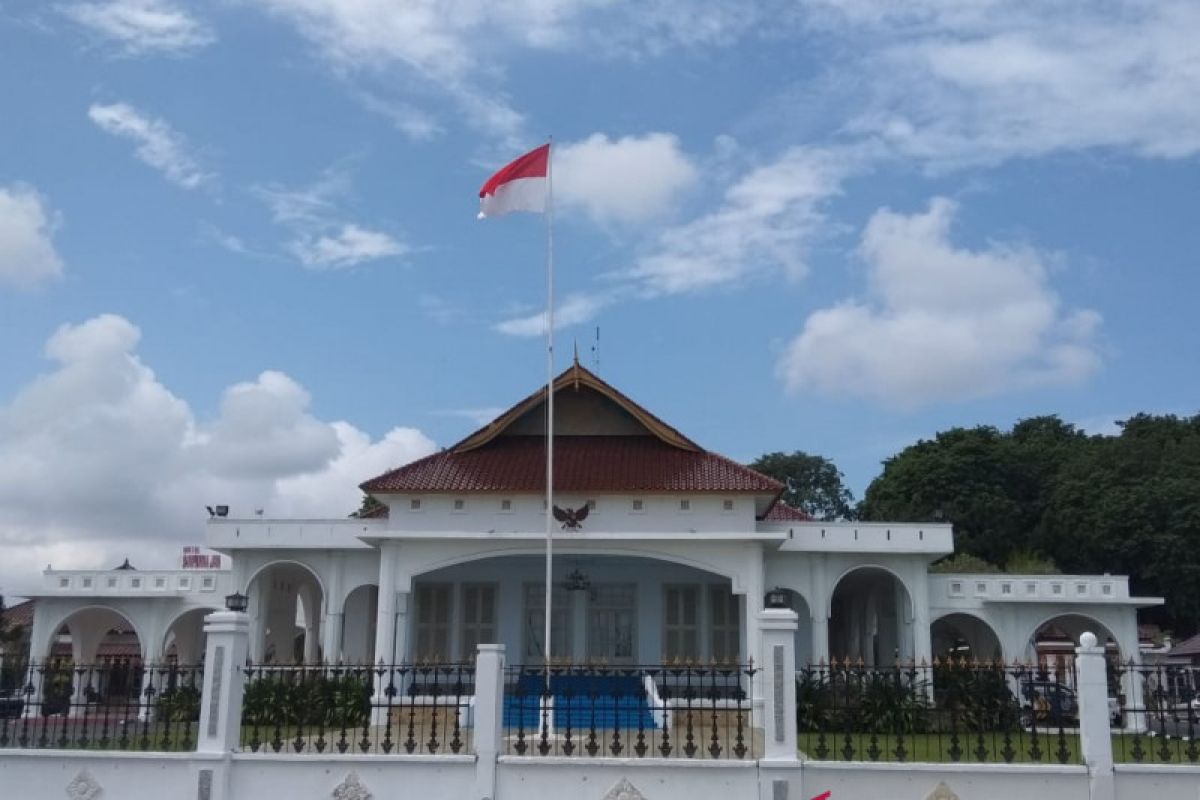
(596, 351)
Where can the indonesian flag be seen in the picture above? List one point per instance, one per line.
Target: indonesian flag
(521, 185)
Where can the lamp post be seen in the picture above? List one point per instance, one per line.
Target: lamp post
(236, 602)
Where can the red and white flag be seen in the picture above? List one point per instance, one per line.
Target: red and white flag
(521, 185)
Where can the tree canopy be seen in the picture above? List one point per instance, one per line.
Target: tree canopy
(814, 483)
(1046, 495)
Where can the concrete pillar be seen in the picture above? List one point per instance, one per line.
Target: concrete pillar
(922, 643)
(489, 717)
(221, 701)
(820, 637)
(334, 607)
(777, 630)
(1095, 737)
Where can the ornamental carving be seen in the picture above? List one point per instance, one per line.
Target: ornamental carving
(625, 791)
(84, 787)
(942, 792)
(352, 789)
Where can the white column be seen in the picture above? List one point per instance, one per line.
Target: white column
(1095, 737)
(919, 591)
(221, 701)
(335, 608)
(777, 628)
(489, 716)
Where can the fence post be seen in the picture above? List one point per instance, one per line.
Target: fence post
(489, 717)
(778, 663)
(228, 635)
(1095, 735)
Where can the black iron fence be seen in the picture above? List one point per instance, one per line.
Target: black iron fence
(1156, 714)
(112, 704)
(660, 711)
(952, 711)
(382, 709)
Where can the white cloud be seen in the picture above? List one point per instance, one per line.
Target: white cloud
(157, 143)
(957, 83)
(574, 310)
(319, 239)
(349, 246)
(27, 254)
(763, 224)
(98, 458)
(413, 122)
(942, 323)
(631, 179)
(143, 26)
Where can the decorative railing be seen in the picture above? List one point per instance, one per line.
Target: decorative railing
(1158, 708)
(113, 704)
(392, 709)
(660, 711)
(952, 711)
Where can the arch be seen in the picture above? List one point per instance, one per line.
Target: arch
(1076, 622)
(295, 562)
(735, 578)
(912, 608)
(187, 640)
(871, 616)
(360, 609)
(963, 634)
(287, 598)
(64, 617)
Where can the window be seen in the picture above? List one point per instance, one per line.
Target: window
(1081, 588)
(685, 505)
(681, 622)
(1031, 588)
(956, 588)
(591, 504)
(207, 583)
(727, 505)
(638, 505)
(87, 583)
(414, 504)
(506, 505)
(433, 622)
(460, 504)
(64, 583)
(981, 588)
(1106, 589)
(185, 583)
(725, 624)
(478, 617)
(1056, 588)
(112, 583)
(1006, 588)
(535, 622)
(136, 583)
(612, 622)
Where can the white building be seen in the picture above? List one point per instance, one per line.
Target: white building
(673, 561)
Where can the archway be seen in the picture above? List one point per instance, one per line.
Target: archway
(286, 605)
(359, 614)
(94, 656)
(964, 636)
(183, 642)
(1051, 646)
(870, 617)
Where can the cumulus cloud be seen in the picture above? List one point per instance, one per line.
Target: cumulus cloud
(97, 456)
(158, 145)
(631, 179)
(27, 224)
(942, 322)
(141, 27)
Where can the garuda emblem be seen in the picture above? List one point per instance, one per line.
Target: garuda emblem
(571, 518)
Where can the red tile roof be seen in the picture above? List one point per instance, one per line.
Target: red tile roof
(782, 512)
(1188, 647)
(19, 615)
(581, 464)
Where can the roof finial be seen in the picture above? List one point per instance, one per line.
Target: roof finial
(576, 346)
(575, 364)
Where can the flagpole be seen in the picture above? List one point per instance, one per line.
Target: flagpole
(549, 399)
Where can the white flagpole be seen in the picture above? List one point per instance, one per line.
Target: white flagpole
(549, 398)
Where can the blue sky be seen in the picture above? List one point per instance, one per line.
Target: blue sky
(239, 259)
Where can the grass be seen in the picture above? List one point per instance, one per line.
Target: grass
(938, 748)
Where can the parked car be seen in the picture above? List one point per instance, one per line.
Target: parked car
(1048, 703)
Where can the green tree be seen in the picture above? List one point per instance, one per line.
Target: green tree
(814, 483)
(367, 507)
